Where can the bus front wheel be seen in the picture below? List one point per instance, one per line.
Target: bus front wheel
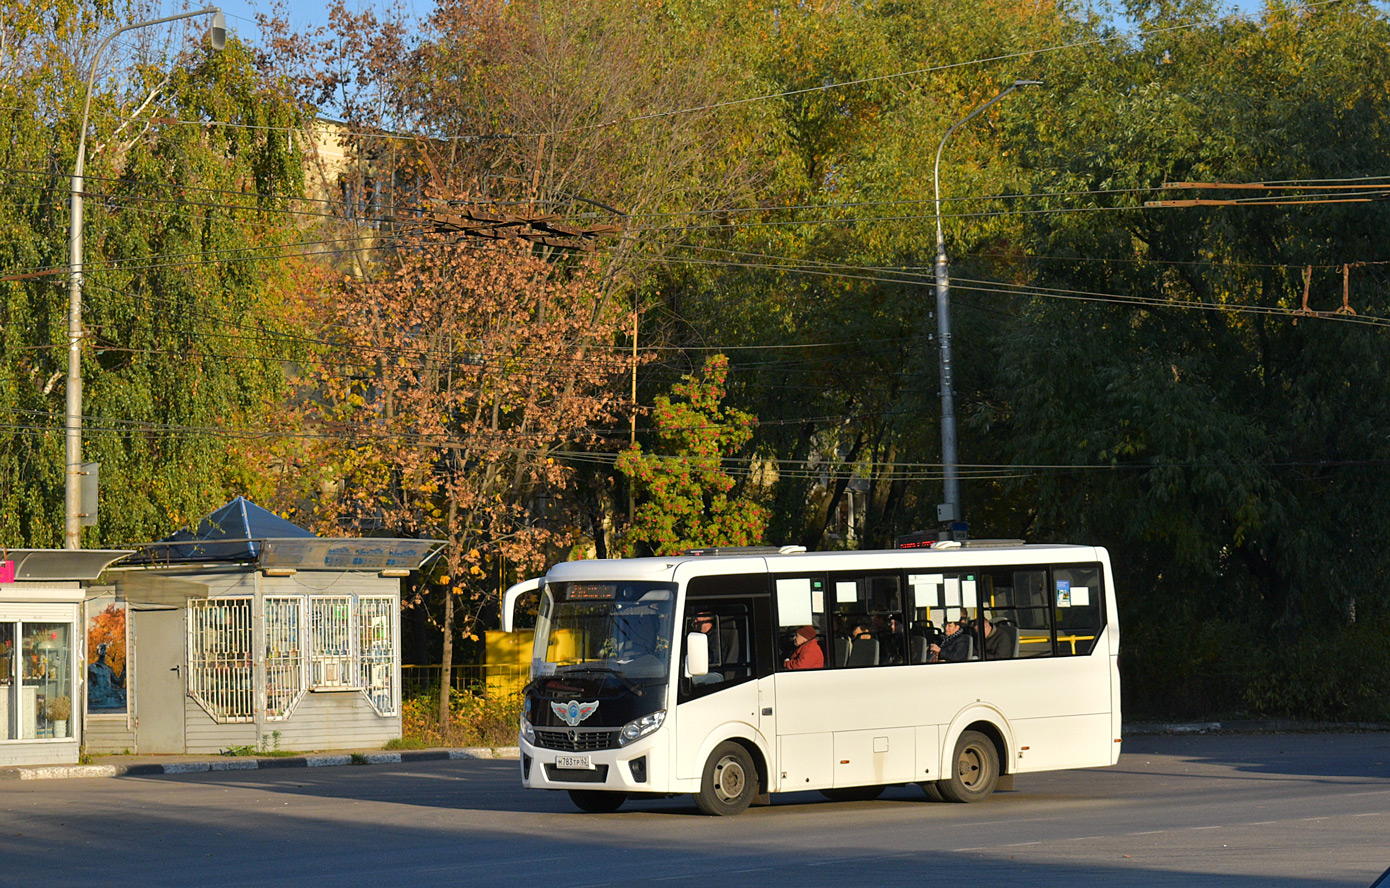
(729, 782)
(597, 801)
(974, 769)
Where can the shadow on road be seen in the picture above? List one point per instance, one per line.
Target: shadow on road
(1356, 757)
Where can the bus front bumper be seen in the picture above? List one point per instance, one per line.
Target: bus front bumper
(640, 766)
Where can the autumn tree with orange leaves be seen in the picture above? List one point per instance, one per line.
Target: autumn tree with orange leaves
(455, 381)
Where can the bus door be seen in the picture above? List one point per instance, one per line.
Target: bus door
(805, 643)
(735, 612)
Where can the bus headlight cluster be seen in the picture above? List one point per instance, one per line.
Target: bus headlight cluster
(528, 733)
(640, 727)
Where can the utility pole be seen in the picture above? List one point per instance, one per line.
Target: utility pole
(72, 441)
(949, 512)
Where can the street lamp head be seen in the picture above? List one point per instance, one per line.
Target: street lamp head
(1018, 83)
(217, 34)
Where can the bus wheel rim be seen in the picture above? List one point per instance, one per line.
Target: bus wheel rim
(729, 779)
(970, 768)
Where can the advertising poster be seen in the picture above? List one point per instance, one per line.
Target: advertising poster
(106, 656)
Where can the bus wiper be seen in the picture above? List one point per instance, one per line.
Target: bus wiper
(606, 670)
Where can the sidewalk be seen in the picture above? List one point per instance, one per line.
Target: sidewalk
(155, 765)
(1251, 726)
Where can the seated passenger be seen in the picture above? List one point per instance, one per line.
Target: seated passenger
(808, 654)
(955, 647)
(997, 644)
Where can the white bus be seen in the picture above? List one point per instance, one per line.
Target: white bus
(685, 674)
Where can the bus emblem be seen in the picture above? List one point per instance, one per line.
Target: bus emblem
(574, 712)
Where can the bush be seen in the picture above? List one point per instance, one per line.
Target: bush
(476, 720)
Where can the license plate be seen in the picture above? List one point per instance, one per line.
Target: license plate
(574, 762)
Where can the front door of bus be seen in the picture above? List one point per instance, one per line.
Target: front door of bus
(735, 612)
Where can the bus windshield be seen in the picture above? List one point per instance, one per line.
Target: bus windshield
(617, 627)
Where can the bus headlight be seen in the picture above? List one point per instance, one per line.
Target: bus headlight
(528, 733)
(640, 727)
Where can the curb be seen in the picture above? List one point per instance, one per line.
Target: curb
(324, 760)
(1252, 726)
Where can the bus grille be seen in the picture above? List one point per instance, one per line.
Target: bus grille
(574, 740)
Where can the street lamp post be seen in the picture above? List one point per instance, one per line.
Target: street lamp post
(949, 511)
(72, 513)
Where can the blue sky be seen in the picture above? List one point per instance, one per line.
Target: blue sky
(241, 14)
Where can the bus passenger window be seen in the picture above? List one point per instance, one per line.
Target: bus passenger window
(1077, 601)
(869, 627)
(1014, 611)
(941, 602)
(801, 636)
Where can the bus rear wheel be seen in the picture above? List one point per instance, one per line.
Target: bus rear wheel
(853, 793)
(597, 801)
(729, 782)
(974, 769)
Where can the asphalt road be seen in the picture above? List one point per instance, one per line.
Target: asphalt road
(1274, 811)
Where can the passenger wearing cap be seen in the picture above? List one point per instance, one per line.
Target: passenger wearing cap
(808, 654)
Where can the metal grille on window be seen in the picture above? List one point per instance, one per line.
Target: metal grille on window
(376, 646)
(284, 655)
(220, 674)
(331, 622)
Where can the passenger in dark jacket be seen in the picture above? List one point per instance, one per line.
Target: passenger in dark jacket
(997, 644)
(955, 647)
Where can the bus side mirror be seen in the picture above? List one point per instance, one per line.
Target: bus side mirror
(696, 654)
(509, 600)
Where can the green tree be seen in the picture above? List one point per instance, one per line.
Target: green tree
(686, 497)
(191, 174)
(1232, 458)
(824, 282)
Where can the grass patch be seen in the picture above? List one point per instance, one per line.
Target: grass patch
(269, 748)
(405, 743)
(249, 750)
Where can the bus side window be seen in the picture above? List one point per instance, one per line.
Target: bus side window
(1077, 601)
(801, 610)
(868, 627)
(939, 599)
(924, 629)
(1016, 606)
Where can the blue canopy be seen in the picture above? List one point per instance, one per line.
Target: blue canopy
(241, 532)
(242, 519)
(233, 533)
